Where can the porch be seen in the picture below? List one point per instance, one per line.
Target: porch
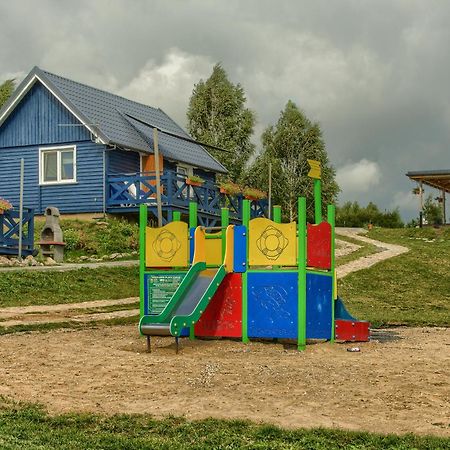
(125, 192)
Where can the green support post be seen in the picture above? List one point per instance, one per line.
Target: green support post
(193, 222)
(277, 214)
(143, 217)
(317, 201)
(302, 242)
(176, 216)
(331, 212)
(192, 215)
(245, 222)
(224, 222)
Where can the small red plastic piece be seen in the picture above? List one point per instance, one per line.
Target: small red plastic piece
(352, 330)
(319, 246)
(223, 315)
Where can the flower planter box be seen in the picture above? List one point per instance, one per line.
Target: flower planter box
(193, 183)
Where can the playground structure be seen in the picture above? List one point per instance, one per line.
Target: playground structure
(263, 279)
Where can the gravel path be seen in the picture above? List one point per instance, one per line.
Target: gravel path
(386, 251)
(72, 266)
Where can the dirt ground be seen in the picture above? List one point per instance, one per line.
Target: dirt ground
(399, 382)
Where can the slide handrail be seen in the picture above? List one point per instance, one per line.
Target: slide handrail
(163, 316)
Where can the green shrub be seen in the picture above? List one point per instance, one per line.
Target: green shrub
(73, 239)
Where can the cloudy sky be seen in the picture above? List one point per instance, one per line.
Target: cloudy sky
(373, 73)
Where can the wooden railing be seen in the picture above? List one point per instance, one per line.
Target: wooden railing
(129, 190)
(9, 232)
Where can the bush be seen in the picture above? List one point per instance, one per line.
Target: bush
(353, 215)
(73, 239)
(90, 237)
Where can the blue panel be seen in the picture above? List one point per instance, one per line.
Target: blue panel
(120, 161)
(39, 119)
(205, 174)
(86, 195)
(240, 249)
(191, 244)
(319, 291)
(272, 305)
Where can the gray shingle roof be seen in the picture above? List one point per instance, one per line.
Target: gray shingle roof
(107, 112)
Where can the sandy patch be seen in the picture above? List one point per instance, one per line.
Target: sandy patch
(397, 383)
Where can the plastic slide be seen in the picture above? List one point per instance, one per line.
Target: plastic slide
(347, 328)
(193, 294)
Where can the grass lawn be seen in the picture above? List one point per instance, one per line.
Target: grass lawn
(28, 426)
(23, 288)
(411, 289)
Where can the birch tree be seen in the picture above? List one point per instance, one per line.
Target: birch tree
(217, 115)
(288, 145)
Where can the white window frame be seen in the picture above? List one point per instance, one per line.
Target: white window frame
(58, 151)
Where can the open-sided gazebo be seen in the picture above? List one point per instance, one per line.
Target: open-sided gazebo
(438, 179)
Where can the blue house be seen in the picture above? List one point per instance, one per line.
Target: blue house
(90, 151)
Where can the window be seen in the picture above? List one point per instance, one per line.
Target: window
(57, 165)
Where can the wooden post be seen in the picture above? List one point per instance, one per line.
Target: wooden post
(444, 214)
(22, 177)
(158, 177)
(421, 205)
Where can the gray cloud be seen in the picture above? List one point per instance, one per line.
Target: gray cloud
(374, 74)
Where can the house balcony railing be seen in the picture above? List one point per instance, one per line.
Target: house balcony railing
(126, 191)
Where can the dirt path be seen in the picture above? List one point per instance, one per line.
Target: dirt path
(72, 266)
(386, 251)
(344, 248)
(398, 383)
(77, 312)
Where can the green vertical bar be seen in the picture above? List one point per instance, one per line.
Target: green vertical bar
(277, 214)
(301, 338)
(245, 222)
(317, 201)
(192, 215)
(192, 224)
(142, 229)
(224, 221)
(331, 212)
(176, 216)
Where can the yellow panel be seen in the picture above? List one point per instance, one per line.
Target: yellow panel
(272, 243)
(229, 251)
(316, 171)
(199, 246)
(167, 246)
(214, 251)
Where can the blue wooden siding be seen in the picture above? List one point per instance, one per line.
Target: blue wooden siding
(37, 120)
(120, 161)
(205, 174)
(34, 124)
(84, 196)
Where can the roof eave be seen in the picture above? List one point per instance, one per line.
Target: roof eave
(37, 74)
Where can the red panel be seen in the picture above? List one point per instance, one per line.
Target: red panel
(223, 316)
(349, 330)
(319, 246)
